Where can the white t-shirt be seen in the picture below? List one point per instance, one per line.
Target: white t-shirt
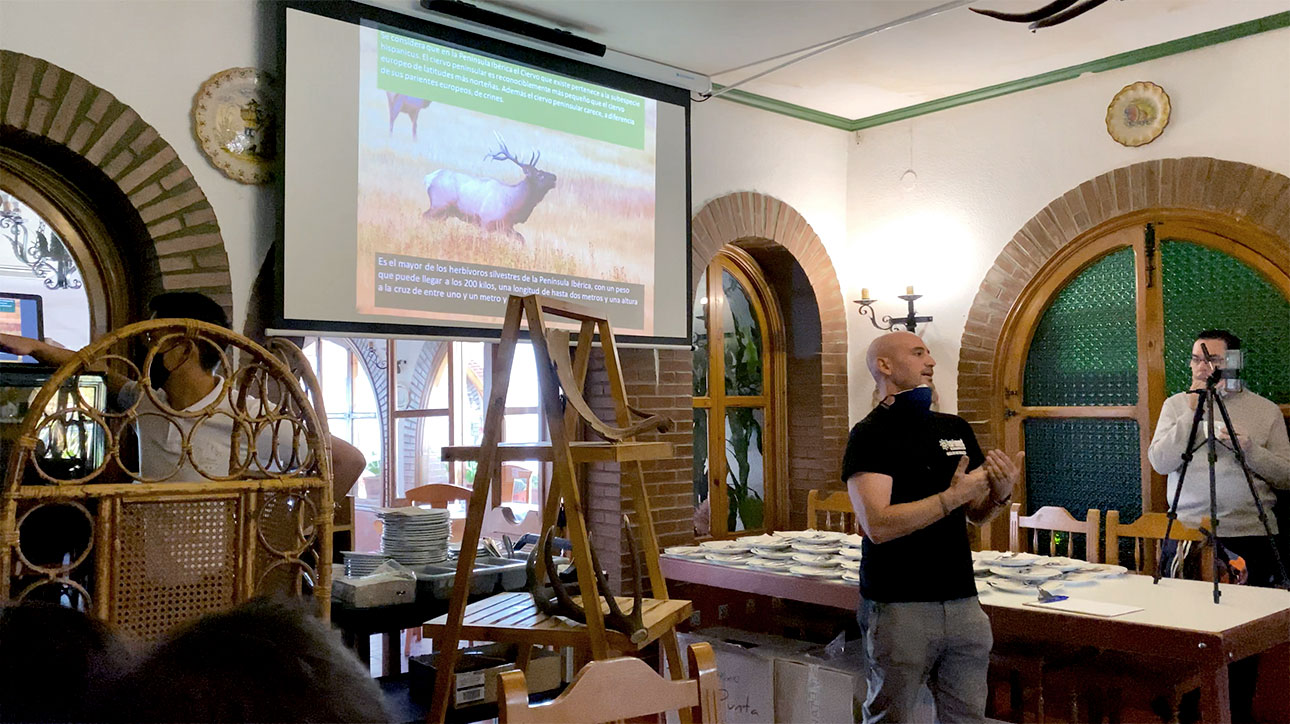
(211, 436)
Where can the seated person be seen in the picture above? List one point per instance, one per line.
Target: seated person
(184, 378)
(264, 661)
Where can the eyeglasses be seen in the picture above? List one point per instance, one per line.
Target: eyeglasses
(1198, 360)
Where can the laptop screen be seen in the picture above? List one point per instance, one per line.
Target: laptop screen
(23, 315)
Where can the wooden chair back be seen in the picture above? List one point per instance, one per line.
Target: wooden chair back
(831, 511)
(619, 689)
(502, 521)
(436, 495)
(147, 554)
(1053, 519)
(1147, 532)
(512, 474)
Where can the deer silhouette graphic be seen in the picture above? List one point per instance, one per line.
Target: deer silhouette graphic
(400, 103)
(486, 202)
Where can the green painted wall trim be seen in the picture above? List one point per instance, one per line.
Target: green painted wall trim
(801, 113)
(1121, 60)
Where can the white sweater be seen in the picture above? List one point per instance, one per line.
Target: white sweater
(1262, 434)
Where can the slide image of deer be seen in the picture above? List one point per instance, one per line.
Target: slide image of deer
(400, 103)
(487, 202)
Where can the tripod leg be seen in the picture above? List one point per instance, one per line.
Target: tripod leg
(1211, 445)
(1258, 504)
(1188, 453)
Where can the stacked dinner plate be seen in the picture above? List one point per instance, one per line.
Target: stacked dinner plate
(362, 564)
(415, 536)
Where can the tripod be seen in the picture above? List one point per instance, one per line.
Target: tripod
(1208, 400)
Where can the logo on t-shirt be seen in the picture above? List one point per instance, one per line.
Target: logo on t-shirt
(954, 447)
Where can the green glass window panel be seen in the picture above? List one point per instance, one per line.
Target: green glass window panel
(741, 340)
(1204, 288)
(700, 456)
(1082, 463)
(699, 337)
(745, 468)
(1085, 349)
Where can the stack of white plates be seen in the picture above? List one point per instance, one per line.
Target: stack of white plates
(766, 542)
(361, 564)
(725, 547)
(415, 536)
(686, 551)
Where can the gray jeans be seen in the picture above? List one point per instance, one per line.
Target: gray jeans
(945, 646)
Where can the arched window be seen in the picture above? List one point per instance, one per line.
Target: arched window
(1103, 335)
(35, 261)
(352, 412)
(738, 399)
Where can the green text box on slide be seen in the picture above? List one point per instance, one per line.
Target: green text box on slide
(487, 85)
(453, 287)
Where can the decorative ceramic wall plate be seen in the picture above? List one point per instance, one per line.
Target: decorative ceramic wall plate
(1138, 114)
(236, 117)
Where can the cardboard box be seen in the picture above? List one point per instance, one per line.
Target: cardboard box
(475, 680)
(811, 693)
(747, 674)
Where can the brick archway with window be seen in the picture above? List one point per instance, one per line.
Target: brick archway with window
(49, 102)
(1246, 193)
(817, 413)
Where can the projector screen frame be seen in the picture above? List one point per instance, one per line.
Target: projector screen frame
(358, 14)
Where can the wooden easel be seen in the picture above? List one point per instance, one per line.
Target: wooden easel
(513, 617)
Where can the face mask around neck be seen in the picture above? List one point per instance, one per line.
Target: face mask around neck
(917, 401)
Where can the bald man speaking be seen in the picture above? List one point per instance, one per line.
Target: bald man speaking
(915, 478)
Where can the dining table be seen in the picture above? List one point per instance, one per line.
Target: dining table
(1176, 619)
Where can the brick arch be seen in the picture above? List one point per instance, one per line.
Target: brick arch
(817, 415)
(1244, 193)
(52, 103)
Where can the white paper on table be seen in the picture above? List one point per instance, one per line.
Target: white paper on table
(1085, 606)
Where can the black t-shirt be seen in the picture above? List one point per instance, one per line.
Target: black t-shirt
(920, 453)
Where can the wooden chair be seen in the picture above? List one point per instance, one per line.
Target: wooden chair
(1053, 519)
(149, 555)
(502, 521)
(436, 495)
(619, 689)
(512, 474)
(1025, 670)
(1147, 531)
(831, 511)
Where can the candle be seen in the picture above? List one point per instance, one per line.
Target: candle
(909, 290)
(864, 293)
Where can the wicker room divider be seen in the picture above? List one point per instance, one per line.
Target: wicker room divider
(145, 554)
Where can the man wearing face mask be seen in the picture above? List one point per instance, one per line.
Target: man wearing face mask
(1260, 428)
(184, 378)
(916, 477)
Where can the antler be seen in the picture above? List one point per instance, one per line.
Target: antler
(1054, 13)
(503, 153)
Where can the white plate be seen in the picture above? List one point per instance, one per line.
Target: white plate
(1065, 564)
(815, 561)
(853, 540)
(763, 541)
(851, 576)
(725, 546)
(1016, 560)
(685, 551)
(814, 572)
(769, 565)
(1080, 579)
(1106, 570)
(812, 536)
(848, 564)
(816, 548)
(852, 553)
(1003, 584)
(727, 560)
(1033, 574)
(980, 567)
(771, 554)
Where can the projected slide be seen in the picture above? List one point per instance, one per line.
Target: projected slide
(479, 178)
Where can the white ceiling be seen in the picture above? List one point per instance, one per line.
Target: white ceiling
(953, 52)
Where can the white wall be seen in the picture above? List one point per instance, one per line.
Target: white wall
(153, 55)
(737, 148)
(985, 169)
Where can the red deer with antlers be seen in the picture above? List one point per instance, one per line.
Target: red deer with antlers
(489, 203)
(400, 103)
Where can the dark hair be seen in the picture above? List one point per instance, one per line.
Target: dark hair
(56, 663)
(267, 660)
(1229, 339)
(192, 305)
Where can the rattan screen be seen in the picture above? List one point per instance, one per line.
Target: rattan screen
(177, 561)
(1206, 289)
(1085, 348)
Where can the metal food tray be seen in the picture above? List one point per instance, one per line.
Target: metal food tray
(437, 579)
